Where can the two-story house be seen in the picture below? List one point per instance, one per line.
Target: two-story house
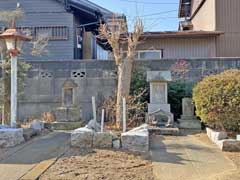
(210, 28)
(71, 26)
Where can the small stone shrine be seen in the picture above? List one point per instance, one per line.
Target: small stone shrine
(188, 120)
(69, 115)
(159, 113)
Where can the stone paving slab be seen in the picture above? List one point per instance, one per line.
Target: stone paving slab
(186, 158)
(16, 165)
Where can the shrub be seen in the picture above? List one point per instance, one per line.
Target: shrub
(217, 100)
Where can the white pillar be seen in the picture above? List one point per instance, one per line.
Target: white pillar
(13, 91)
(94, 108)
(102, 120)
(124, 115)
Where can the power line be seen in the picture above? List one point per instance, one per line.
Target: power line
(154, 14)
(142, 2)
(154, 18)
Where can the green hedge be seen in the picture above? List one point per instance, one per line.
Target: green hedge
(217, 100)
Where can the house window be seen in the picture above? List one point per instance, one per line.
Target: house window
(150, 54)
(52, 32)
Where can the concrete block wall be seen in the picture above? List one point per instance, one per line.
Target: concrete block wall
(43, 90)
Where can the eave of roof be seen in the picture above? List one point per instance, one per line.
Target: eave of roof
(181, 34)
(90, 8)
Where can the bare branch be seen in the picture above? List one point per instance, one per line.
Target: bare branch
(8, 16)
(40, 45)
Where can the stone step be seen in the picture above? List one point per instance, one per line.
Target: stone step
(64, 125)
(164, 131)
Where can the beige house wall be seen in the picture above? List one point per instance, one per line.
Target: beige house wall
(181, 47)
(228, 21)
(205, 19)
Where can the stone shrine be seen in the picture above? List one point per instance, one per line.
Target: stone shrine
(69, 115)
(159, 113)
(188, 120)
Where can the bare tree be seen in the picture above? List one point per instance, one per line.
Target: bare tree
(118, 37)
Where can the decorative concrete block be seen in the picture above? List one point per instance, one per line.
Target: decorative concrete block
(82, 138)
(37, 125)
(102, 140)
(136, 139)
(10, 137)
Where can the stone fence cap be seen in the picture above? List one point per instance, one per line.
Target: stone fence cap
(159, 76)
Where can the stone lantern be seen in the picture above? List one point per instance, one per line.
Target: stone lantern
(14, 40)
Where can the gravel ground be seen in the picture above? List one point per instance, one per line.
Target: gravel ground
(99, 164)
(234, 156)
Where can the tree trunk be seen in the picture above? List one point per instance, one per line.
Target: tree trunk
(124, 82)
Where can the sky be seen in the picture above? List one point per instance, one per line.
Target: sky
(157, 15)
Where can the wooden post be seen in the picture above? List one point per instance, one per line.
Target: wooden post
(102, 120)
(94, 108)
(124, 115)
(13, 91)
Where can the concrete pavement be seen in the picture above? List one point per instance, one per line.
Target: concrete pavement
(18, 162)
(186, 158)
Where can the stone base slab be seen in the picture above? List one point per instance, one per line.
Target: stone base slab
(71, 114)
(164, 131)
(65, 125)
(189, 124)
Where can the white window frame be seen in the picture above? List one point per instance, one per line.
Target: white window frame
(142, 51)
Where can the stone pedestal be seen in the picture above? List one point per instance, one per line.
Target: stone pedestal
(188, 120)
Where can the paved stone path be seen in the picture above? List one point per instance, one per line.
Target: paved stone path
(20, 160)
(186, 158)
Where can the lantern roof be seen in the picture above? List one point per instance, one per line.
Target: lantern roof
(14, 33)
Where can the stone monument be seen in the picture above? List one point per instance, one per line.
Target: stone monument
(188, 120)
(68, 116)
(159, 109)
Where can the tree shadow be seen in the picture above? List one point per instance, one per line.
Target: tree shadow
(171, 153)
